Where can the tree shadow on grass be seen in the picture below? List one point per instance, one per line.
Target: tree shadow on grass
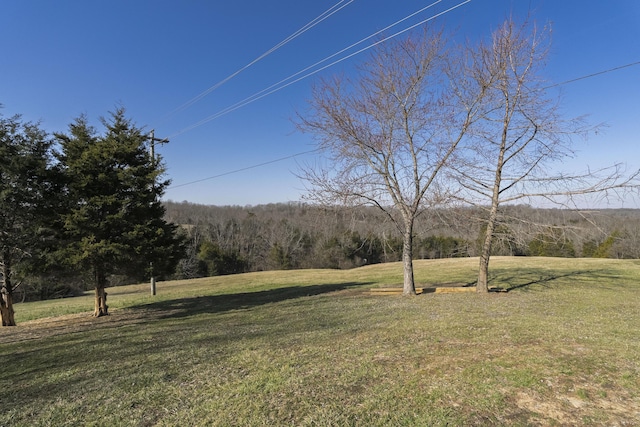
(185, 307)
(530, 277)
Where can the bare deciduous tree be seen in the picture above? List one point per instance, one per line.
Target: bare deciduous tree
(389, 133)
(521, 134)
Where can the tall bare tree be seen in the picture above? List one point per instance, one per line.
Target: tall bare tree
(521, 135)
(388, 133)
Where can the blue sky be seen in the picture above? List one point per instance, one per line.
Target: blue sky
(70, 57)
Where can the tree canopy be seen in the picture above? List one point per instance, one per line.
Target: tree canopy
(390, 132)
(26, 189)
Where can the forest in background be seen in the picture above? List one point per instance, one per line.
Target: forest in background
(221, 240)
(234, 239)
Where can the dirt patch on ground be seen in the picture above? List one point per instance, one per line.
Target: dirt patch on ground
(548, 410)
(565, 409)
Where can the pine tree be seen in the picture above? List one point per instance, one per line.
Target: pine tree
(25, 189)
(114, 222)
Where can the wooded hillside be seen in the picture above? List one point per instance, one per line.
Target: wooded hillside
(234, 239)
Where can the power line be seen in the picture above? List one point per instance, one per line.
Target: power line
(326, 14)
(593, 75)
(243, 169)
(316, 150)
(281, 85)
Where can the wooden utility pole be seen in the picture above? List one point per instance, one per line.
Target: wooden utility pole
(152, 144)
(153, 279)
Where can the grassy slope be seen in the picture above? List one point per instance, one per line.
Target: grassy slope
(312, 348)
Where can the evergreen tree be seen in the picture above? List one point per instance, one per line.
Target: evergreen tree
(552, 243)
(25, 192)
(114, 223)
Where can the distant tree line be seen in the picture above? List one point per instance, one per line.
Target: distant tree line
(235, 239)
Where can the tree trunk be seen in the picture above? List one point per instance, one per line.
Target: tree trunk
(482, 285)
(483, 272)
(101, 308)
(6, 309)
(409, 287)
(6, 293)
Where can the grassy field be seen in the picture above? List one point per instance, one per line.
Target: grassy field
(314, 348)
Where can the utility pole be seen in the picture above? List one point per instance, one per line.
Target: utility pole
(152, 143)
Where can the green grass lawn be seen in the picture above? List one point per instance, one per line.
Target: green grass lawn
(312, 347)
